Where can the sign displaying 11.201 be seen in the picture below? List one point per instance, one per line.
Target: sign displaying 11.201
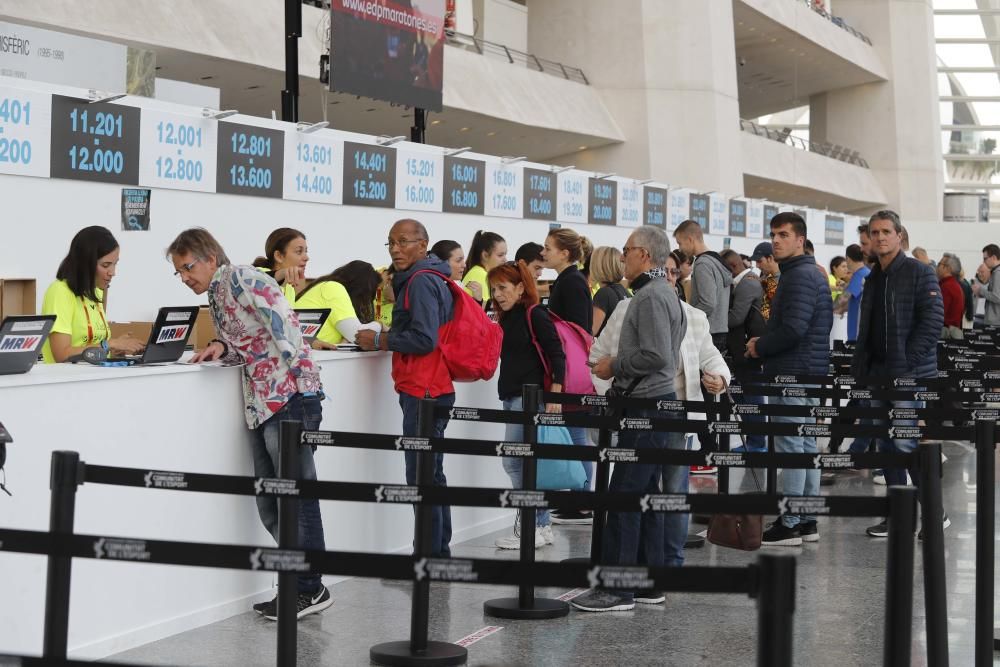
(94, 141)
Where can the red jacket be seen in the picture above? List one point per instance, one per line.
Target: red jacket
(954, 302)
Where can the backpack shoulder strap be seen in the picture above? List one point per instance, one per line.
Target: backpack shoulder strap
(406, 293)
(534, 339)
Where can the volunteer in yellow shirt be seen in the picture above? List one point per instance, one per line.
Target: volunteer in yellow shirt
(487, 251)
(78, 296)
(285, 257)
(349, 293)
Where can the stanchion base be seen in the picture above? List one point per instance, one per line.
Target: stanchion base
(511, 608)
(996, 643)
(575, 561)
(437, 654)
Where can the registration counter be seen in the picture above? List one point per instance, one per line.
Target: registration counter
(190, 418)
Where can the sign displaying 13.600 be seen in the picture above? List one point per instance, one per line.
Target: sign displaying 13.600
(94, 141)
(250, 160)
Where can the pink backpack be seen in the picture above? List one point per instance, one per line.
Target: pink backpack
(576, 344)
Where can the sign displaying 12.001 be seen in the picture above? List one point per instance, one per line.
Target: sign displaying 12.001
(94, 141)
(250, 160)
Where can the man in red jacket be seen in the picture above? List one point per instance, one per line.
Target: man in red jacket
(948, 270)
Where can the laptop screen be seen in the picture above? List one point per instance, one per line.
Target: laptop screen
(169, 335)
(311, 320)
(21, 340)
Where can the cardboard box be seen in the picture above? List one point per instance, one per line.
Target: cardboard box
(139, 330)
(17, 296)
(204, 329)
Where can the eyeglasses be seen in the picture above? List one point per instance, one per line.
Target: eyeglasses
(186, 268)
(627, 249)
(402, 243)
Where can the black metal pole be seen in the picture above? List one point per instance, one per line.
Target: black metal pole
(601, 482)
(935, 587)
(293, 30)
(418, 132)
(65, 476)
(418, 650)
(985, 545)
(899, 577)
(775, 610)
(289, 437)
(526, 605)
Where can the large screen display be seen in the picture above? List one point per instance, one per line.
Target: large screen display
(391, 50)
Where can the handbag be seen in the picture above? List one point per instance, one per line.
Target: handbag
(737, 531)
(556, 474)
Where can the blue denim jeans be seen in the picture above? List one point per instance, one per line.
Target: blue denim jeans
(649, 537)
(796, 482)
(513, 466)
(897, 445)
(441, 514)
(308, 410)
(578, 434)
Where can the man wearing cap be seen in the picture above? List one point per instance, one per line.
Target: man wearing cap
(763, 255)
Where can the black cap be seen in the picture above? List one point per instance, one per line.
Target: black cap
(764, 249)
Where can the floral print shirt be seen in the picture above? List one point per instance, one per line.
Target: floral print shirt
(770, 289)
(261, 331)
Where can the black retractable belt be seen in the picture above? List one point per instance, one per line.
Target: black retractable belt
(4, 439)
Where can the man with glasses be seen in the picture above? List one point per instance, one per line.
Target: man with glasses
(258, 329)
(423, 305)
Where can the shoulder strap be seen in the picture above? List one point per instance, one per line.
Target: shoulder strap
(534, 338)
(406, 293)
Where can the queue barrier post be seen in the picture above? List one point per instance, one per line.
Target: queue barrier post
(775, 610)
(419, 650)
(65, 476)
(985, 545)
(526, 606)
(289, 435)
(602, 479)
(932, 523)
(899, 577)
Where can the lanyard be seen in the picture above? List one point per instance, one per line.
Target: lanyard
(91, 338)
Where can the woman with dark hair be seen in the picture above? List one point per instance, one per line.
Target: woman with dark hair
(451, 252)
(513, 289)
(78, 296)
(349, 293)
(683, 273)
(487, 251)
(285, 257)
(839, 274)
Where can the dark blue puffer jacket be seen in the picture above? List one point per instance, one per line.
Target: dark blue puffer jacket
(915, 316)
(797, 339)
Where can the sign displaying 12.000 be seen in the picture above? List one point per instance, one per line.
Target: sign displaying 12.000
(96, 141)
(177, 151)
(250, 160)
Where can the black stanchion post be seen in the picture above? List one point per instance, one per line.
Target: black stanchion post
(64, 478)
(775, 610)
(526, 605)
(899, 577)
(932, 522)
(602, 478)
(419, 650)
(985, 545)
(289, 437)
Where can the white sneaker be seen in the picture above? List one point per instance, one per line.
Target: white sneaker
(547, 534)
(514, 541)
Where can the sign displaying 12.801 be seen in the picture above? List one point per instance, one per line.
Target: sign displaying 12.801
(94, 141)
(250, 160)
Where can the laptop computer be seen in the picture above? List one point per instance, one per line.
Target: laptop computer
(167, 338)
(21, 340)
(311, 320)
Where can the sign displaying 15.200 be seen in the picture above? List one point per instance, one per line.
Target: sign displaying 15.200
(94, 141)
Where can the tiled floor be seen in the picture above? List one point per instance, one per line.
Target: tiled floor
(838, 622)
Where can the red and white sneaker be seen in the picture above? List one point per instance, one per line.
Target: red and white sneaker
(704, 470)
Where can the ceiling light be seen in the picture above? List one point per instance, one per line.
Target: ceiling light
(464, 129)
(491, 134)
(581, 148)
(436, 122)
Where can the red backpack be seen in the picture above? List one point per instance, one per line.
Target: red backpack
(469, 342)
(576, 343)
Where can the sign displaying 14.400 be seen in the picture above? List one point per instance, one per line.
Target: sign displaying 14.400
(94, 141)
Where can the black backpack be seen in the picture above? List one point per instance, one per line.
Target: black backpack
(753, 326)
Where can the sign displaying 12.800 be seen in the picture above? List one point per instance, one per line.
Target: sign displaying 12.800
(94, 141)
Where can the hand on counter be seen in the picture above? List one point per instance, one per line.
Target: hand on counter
(210, 352)
(365, 340)
(126, 345)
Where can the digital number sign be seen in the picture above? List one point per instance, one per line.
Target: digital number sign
(419, 180)
(25, 117)
(464, 185)
(94, 141)
(177, 151)
(539, 194)
(834, 230)
(719, 216)
(603, 204)
(629, 204)
(654, 207)
(250, 160)
(313, 167)
(678, 208)
(503, 190)
(369, 175)
(737, 217)
(572, 197)
(698, 210)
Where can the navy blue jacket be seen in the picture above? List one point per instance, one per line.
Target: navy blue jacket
(797, 339)
(915, 316)
(415, 329)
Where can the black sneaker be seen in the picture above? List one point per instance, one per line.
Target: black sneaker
(262, 607)
(945, 523)
(573, 517)
(879, 530)
(780, 535)
(308, 603)
(649, 597)
(809, 531)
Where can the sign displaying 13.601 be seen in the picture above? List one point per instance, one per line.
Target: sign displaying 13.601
(94, 141)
